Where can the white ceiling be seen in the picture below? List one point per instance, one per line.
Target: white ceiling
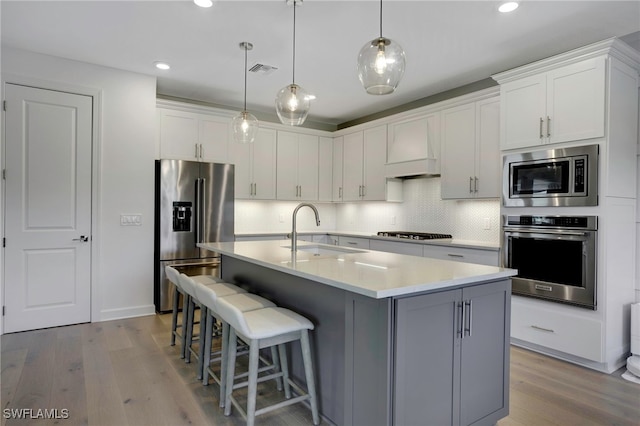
(448, 43)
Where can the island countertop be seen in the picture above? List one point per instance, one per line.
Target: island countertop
(370, 273)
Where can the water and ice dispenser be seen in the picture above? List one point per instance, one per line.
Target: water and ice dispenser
(182, 216)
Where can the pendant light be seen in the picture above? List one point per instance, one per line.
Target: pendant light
(381, 64)
(293, 102)
(245, 125)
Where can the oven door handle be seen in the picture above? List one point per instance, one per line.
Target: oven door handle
(532, 232)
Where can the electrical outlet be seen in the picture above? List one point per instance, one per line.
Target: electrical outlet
(393, 220)
(487, 223)
(130, 220)
(281, 217)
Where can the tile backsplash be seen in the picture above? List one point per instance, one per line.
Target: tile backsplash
(421, 211)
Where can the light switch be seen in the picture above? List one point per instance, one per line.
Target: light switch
(487, 223)
(130, 220)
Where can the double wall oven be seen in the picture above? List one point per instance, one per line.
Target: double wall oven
(555, 253)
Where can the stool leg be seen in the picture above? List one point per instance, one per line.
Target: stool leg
(185, 314)
(231, 370)
(275, 361)
(190, 315)
(206, 357)
(203, 333)
(284, 366)
(308, 372)
(174, 315)
(252, 390)
(223, 362)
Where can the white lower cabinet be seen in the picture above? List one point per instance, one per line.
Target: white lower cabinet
(463, 254)
(464, 378)
(556, 329)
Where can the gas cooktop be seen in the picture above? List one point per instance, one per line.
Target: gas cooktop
(414, 235)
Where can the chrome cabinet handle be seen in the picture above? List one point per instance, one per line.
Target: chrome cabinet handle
(255, 188)
(340, 192)
(468, 327)
(460, 330)
(541, 121)
(364, 190)
(196, 147)
(82, 239)
(548, 330)
(548, 126)
(455, 255)
(470, 183)
(475, 184)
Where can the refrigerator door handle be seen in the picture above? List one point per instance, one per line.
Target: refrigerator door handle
(198, 210)
(203, 204)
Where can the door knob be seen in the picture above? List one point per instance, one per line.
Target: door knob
(82, 238)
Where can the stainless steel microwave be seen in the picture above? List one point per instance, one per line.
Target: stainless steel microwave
(558, 177)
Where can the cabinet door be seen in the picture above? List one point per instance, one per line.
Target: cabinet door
(484, 358)
(488, 165)
(576, 101)
(523, 108)
(325, 169)
(308, 167)
(458, 152)
(337, 188)
(287, 166)
(213, 137)
(241, 154)
(178, 135)
(427, 359)
(374, 159)
(352, 175)
(264, 165)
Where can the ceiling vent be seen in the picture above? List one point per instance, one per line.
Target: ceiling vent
(262, 69)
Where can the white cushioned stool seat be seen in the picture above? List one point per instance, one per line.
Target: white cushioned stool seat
(263, 328)
(174, 276)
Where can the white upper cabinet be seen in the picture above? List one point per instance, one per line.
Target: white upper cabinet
(255, 166)
(364, 157)
(560, 105)
(325, 169)
(193, 136)
(470, 160)
(337, 169)
(297, 166)
(413, 146)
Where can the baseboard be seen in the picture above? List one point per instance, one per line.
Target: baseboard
(603, 367)
(121, 313)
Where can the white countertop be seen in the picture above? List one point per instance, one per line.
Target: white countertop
(367, 272)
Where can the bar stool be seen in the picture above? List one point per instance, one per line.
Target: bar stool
(244, 302)
(262, 328)
(189, 284)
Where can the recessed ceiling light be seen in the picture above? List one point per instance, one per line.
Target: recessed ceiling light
(508, 6)
(203, 3)
(162, 65)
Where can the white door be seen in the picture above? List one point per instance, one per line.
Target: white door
(48, 208)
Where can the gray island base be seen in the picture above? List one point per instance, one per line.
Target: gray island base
(389, 347)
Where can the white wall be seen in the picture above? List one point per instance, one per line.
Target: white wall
(127, 145)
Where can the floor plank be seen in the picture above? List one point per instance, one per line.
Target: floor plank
(125, 372)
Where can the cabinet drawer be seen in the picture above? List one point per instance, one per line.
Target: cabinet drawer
(561, 331)
(396, 247)
(353, 242)
(460, 254)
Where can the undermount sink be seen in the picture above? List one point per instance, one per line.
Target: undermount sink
(318, 250)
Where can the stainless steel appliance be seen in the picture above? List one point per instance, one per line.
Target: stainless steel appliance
(553, 177)
(413, 235)
(555, 257)
(194, 202)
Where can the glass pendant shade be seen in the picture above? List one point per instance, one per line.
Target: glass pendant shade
(292, 105)
(381, 64)
(245, 127)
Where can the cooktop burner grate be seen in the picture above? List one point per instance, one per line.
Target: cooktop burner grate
(414, 235)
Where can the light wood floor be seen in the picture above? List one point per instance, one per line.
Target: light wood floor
(124, 372)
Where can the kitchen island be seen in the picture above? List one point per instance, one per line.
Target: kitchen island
(399, 339)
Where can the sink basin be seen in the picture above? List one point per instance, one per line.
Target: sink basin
(320, 250)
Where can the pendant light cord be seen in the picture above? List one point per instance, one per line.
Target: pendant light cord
(293, 78)
(246, 47)
(380, 18)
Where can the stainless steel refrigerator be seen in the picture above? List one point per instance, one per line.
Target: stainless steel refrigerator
(193, 203)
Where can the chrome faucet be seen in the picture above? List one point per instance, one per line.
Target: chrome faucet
(294, 232)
